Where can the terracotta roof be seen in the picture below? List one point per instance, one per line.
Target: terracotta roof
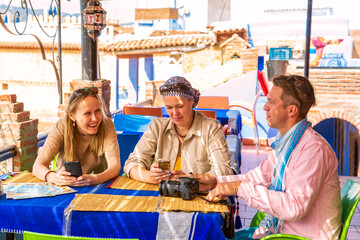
(35, 45)
(227, 27)
(234, 36)
(230, 30)
(158, 33)
(160, 42)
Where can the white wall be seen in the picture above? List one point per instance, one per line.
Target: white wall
(197, 21)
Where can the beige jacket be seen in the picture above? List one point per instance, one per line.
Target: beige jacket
(89, 162)
(204, 149)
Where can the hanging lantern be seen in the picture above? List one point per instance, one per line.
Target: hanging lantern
(94, 17)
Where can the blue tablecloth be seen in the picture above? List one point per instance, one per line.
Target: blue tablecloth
(139, 123)
(234, 144)
(230, 117)
(46, 215)
(132, 123)
(127, 142)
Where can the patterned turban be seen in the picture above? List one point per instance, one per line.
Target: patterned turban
(180, 87)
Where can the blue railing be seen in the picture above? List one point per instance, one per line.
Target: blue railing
(8, 152)
(41, 139)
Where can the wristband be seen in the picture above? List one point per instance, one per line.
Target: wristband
(47, 174)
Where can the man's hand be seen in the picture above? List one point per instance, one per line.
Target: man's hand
(224, 189)
(175, 174)
(207, 182)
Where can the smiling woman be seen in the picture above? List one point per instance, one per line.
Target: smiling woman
(84, 134)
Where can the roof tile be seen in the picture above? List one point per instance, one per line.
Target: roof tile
(160, 41)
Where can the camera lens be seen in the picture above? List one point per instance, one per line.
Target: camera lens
(169, 188)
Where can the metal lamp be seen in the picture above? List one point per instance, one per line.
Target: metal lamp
(94, 17)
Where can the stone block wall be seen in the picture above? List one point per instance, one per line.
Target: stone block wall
(156, 13)
(152, 93)
(198, 60)
(236, 46)
(16, 128)
(102, 85)
(249, 59)
(337, 94)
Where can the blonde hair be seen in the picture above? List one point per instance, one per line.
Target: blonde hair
(97, 142)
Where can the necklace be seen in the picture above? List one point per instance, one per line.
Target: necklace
(182, 136)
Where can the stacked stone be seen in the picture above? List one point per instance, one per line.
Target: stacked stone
(249, 58)
(16, 128)
(234, 45)
(152, 93)
(102, 85)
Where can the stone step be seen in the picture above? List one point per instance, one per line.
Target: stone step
(15, 117)
(8, 98)
(7, 107)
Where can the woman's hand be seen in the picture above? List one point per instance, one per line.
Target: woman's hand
(61, 178)
(157, 174)
(84, 180)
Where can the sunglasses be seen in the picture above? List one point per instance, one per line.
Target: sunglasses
(178, 87)
(83, 92)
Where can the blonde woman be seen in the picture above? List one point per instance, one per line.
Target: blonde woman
(84, 134)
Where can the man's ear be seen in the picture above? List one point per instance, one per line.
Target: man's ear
(293, 111)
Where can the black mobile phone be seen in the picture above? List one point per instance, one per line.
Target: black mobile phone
(74, 168)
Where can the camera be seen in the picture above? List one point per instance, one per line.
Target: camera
(183, 187)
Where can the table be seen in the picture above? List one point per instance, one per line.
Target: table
(46, 215)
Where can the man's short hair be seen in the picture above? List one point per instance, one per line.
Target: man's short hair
(296, 90)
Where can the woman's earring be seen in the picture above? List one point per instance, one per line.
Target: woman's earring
(73, 123)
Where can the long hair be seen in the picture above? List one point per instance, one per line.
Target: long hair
(97, 142)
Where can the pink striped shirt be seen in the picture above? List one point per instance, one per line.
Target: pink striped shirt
(311, 204)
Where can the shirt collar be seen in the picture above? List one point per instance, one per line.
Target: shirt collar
(195, 127)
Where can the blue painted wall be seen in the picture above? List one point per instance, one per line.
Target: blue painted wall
(134, 77)
(337, 133)
(149, 68)
(326, 129)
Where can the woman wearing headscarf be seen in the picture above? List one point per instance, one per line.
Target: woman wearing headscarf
(191, 142)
